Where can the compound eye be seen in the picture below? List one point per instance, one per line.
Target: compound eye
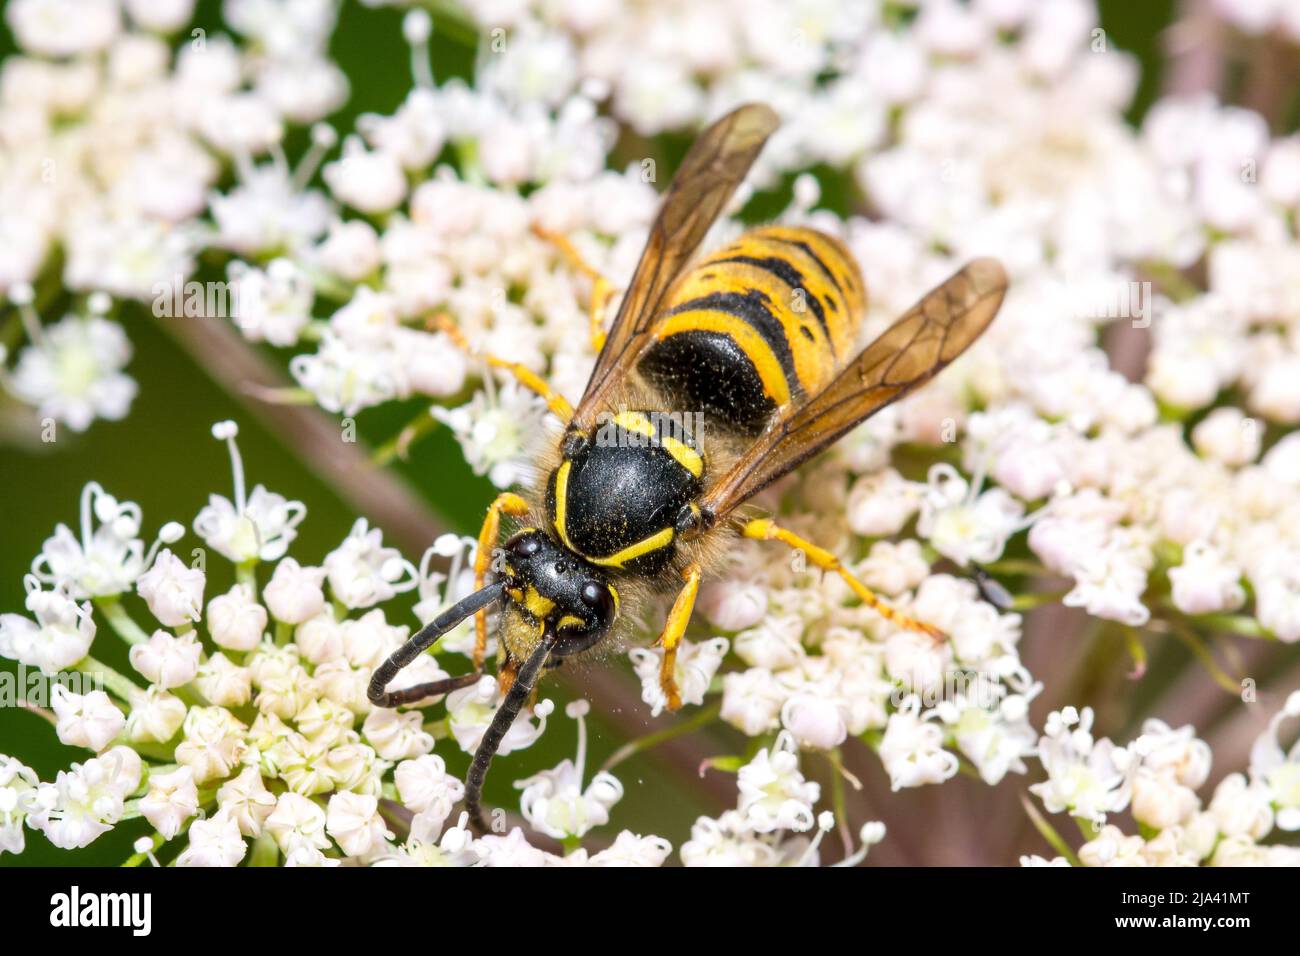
(597, 597)
(525, 546)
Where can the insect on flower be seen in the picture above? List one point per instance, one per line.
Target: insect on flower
(638, 500)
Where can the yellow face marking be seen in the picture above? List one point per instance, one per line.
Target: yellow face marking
(656, 541)
(561, 502)
(570, 620)
(614, 593)
(759, 352)
(682, 453)
(537, 605)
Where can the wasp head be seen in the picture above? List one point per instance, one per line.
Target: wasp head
(549, 588)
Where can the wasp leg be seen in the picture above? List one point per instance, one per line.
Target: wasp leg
(506, 503)
(674, 628)
(601, 288)
(765, 529)
(525, 376)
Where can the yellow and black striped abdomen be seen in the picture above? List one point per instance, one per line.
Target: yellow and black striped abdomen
(761, 323)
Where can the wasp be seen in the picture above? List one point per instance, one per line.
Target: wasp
(756, 340)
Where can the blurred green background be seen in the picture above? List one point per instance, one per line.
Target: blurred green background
(163, 457)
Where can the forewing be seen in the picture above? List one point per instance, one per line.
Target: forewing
(906, 356)
(713, 168)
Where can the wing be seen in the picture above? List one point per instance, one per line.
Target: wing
(906, 356)
(710, 173)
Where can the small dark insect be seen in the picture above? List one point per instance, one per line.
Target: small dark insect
(991, 589)
(757, 340)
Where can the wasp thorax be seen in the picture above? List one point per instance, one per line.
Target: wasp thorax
(548, 587)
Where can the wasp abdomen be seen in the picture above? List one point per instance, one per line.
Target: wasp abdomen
(760, 323)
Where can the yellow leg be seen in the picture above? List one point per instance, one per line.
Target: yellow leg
(601, 288)
(765, 529)
(506, 503)
(678, 618)
(525, 376)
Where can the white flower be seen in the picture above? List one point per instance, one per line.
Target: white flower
(236, 620)
(1277, 601)
(161, 16)
(215, 841)
(370, 181)
(18, 785)
(297, 822)
(294, 593)
(106, 559)
(172, 799)
(59, 28)
(363, 573)
(1205, 582)
(73, 373)
(496, 433)
(213, 743)
(727, 841)
(1088, 778)
(554, 801)
(245, 800)
(167, 660)
(397, 735)
(1110, 581)
(353, 820)
(351, 250)
(733, 605)
(1242, 808)
(912, 749)
(272, 305)
(1227, 435)
(631, 849)
(86, 801)
(814, 720)
(773, 792)
(751, 700)
(424, 785)
(259, 526)
(881, 503)
(173, 591)
(86, 720)
(963, 524)
(695, 666)
(59, 638)
(1279, 771)
(223, 683)
(155, 716)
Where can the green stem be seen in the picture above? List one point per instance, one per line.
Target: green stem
(265, 852)
(119, 684)
(706, 715)
(120, 621)
(246, 574)
(399, 444)
(1047, 831)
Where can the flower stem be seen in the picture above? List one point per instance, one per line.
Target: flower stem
(706, 716)
(120, 621)
(1048, 831)
(119, 684)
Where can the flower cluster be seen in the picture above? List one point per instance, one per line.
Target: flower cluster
(245, 727)
(1156, 778)
(115, 126)
(1160, 491)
